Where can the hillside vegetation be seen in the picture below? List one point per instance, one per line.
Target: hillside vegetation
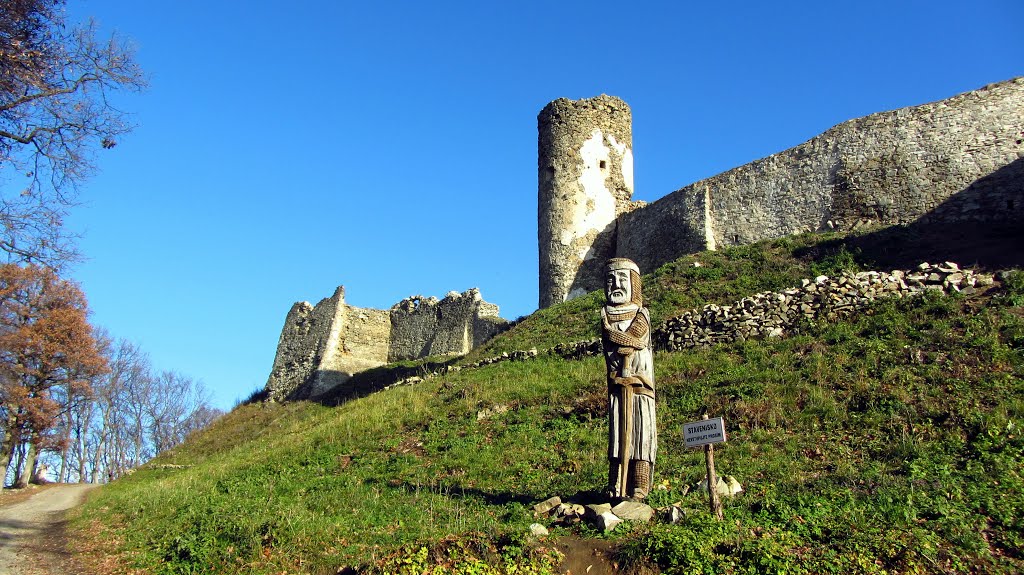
(887, 443)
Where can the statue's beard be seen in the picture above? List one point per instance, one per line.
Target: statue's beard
(618, 297)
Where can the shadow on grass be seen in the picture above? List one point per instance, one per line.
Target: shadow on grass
(495, 498)
(985, 247)
(359, 385)
(372, 380)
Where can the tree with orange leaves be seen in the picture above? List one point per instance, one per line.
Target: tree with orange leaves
(46, 346)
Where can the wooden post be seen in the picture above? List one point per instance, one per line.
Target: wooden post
(715, 502)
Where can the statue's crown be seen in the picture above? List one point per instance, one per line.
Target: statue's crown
(621, 264)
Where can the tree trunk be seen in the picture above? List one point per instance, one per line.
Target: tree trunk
(6, 451)
(28, 465)
(19, 459)
(99, 458)
(65, 469)
(84, 429)
(83, 459)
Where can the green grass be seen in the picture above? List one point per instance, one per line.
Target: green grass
(854, 458)
(888, 443)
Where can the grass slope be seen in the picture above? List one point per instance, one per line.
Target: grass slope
(884, 444)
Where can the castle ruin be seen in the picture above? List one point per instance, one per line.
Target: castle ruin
(322, 346)
(956, 160)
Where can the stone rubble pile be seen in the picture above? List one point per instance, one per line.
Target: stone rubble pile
(576, 350)
(602, 516)
(770, 314)
(606, 516)
(773, 314)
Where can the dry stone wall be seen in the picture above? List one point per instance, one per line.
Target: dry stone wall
(321, 347)
(775, 314)
(770, 314)
(956, 160)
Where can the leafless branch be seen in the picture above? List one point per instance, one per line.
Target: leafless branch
(55, 112)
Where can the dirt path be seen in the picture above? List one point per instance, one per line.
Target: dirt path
(31, 531)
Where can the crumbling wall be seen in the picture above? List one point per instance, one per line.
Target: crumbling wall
(323, 346)
(487, 323)
(768, 314)
(950, 161)
(774, 314)
(426, 326)
(360, 343)
(310, 333)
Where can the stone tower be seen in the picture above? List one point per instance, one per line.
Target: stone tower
(585, 181)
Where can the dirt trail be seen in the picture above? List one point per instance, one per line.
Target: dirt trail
(31, 538)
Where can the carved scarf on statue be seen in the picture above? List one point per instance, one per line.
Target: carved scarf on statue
(634, 338)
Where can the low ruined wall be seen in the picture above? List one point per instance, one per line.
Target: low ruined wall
(774, 314)
(960, 159)
(769, 314)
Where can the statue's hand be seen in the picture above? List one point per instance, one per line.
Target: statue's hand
(626, 351)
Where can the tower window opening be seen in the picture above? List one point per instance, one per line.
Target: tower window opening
(603, 164)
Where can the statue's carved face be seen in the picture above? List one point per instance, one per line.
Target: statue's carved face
(618, 288)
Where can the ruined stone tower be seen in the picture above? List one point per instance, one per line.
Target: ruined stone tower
(585, 181)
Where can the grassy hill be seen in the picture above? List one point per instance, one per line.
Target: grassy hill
(889, 443)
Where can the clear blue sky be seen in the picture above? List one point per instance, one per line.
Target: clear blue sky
(285, 148)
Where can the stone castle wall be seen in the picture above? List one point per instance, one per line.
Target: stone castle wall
(323, 346)
(365, 334)
(956, 160)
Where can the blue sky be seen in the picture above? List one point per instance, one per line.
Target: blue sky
(283, 149)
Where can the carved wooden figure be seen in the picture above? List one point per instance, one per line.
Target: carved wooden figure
(626, 339)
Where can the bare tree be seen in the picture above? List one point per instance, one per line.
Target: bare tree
(119, 443)
(126, 415)
(201, 417)
(107, 434)
(177, 406)
(130, 416)
(56, 83)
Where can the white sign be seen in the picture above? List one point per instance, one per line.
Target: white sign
(704, 432)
